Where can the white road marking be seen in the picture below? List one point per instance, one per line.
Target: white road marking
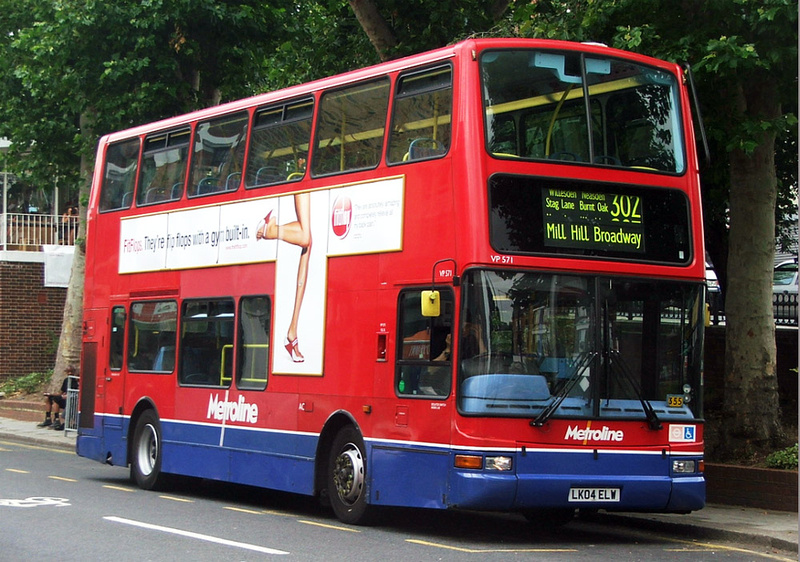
(197, 536)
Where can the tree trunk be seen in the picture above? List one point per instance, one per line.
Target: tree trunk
(376, 28)
(498, 8)
(69, 344)
(751, 423)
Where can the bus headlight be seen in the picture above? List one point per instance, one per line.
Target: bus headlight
(684, 467)
(502, 464)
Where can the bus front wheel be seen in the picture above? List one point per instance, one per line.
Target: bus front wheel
(346, 478)
(146, 452)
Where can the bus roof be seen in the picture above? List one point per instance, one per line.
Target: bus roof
(343, 79)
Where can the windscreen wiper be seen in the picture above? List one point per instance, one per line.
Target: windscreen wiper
(577, 374)
(615, 360)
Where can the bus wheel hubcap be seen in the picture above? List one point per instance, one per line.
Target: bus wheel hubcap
(348, 474)
(148, 450)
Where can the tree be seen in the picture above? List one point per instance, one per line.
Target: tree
(324, 38)
(397, 28)
(746, 55)
(72, 71)
(745, 58)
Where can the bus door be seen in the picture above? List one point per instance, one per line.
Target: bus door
(89, 389)
(423, 412)
(111, 381)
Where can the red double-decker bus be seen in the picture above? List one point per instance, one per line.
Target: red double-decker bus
(471, 278)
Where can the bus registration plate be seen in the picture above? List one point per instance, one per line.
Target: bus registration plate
(608, 495)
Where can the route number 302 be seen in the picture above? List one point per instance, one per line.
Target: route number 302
(627, 208)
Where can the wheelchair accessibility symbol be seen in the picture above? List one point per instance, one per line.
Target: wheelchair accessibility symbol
(682, 433)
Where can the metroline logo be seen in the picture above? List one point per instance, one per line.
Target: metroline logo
(586, 434)
(226, 410)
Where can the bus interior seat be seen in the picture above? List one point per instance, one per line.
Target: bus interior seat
(425, 147)
(165, 354)
(565, 156)
(607, 159)
(198, 357)
(206, 185)
(268, 174)
(165, 359)
(154, 194)
(233, 181)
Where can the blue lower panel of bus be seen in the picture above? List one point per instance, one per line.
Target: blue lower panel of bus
(419, 476)
(280, 461)
(104, 443)
(409, 476)
(416, 475)
(615, 482)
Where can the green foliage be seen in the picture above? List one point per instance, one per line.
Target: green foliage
(26, 385)
(785, 459)
(736, 48)
(71, 71)
(322, 38)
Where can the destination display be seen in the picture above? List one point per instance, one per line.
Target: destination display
(532, 215)
(593, 220)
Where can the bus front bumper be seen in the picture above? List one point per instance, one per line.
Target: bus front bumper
(581, 489)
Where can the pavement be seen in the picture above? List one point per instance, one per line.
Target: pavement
(756, 527)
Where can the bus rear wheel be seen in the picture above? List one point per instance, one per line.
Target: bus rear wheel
(146, 452)
(346, 478)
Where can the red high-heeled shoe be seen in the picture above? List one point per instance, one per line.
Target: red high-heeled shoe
(261, 231)
(294, 353)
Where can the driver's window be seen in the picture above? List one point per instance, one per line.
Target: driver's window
(424, 351)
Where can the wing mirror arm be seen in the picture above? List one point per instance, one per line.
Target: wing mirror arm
(430, 301)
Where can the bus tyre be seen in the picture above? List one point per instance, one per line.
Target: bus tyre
(346, 479)
(146, 452)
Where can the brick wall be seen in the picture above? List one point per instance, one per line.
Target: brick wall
(761, 488)
(30, 319)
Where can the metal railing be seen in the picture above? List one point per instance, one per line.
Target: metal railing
(28, 232)
(784, 308)
(71, 409)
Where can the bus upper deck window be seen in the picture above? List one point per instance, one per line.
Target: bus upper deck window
(350, 128)
(218, 155)
(279, 143)
(422, 115)
(163, 167)
(119, 177)
(582, 108)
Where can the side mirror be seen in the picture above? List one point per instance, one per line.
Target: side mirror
(430, 304)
